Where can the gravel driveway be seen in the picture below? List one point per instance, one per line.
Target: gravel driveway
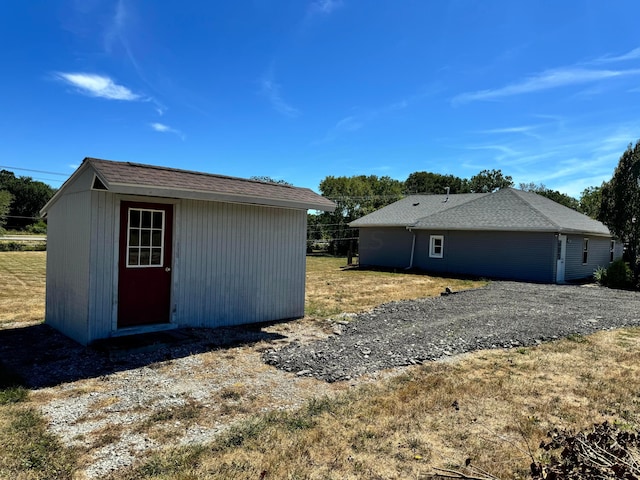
(503, 314)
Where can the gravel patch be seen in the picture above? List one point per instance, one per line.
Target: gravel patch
(501, 315)
(116, 405)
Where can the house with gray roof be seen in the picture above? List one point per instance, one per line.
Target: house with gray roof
(135, 248)
(508, 234)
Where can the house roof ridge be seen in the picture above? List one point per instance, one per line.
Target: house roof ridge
(476, 197)
(518, 193)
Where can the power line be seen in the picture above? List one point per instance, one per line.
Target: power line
(330, 239)
(36, 171)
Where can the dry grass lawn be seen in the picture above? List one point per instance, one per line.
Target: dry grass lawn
(22, 285)
(332, 288)
(488, 409)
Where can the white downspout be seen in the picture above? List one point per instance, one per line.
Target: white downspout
(413, 248)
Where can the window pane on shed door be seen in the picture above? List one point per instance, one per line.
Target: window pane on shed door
(134, 257)
(134, 218)
(156, 238)
(145, 238)
(156, 257)
(157, 219)
(134, 237)
(145, 256)
(146, 219)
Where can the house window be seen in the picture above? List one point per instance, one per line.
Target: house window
(612, 249)
(145, 239)
(436, 246)
(585, 250)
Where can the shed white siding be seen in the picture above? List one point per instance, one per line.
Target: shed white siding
(67, 299)
(104, 264)
(233, 264)
(236, 264)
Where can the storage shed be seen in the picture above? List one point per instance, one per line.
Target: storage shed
(135, 248)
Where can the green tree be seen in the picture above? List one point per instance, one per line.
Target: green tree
(428, 182)
(29, 196)
(5, 203)
(555, 195)
(620, 207)
(354, 196)
(489, 181)
(591, 201)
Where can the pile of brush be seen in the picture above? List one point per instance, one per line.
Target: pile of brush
(605, 452)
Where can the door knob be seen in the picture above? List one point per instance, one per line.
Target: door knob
(167, 269)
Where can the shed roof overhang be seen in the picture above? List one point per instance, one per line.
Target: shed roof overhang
(158, 182)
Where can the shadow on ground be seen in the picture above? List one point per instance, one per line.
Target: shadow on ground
(39, 356)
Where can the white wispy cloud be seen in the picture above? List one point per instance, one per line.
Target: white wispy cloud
(630, 55)
(162, 128)
(547, 80)
(115, 29)
(272, 91)
(349, 124)
(324, 7)
(567, 157)
(95, 85)
(528, 130)
(504, 152)
(522, 129)
(357, 121)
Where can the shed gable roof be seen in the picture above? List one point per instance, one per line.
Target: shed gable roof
(151, 180)
(505, 210)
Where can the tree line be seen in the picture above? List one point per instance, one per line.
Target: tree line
(360, 195)
(616, 202)
(21, 199)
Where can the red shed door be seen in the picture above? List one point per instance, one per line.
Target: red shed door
(144, 281)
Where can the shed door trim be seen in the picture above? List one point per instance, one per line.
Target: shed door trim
(144, 264)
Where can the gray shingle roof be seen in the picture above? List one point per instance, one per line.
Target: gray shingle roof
(505, 210)
(135, 178)
(410, 209)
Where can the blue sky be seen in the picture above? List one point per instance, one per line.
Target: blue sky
(546, 91)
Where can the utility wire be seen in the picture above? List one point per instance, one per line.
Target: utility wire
(36, 171)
